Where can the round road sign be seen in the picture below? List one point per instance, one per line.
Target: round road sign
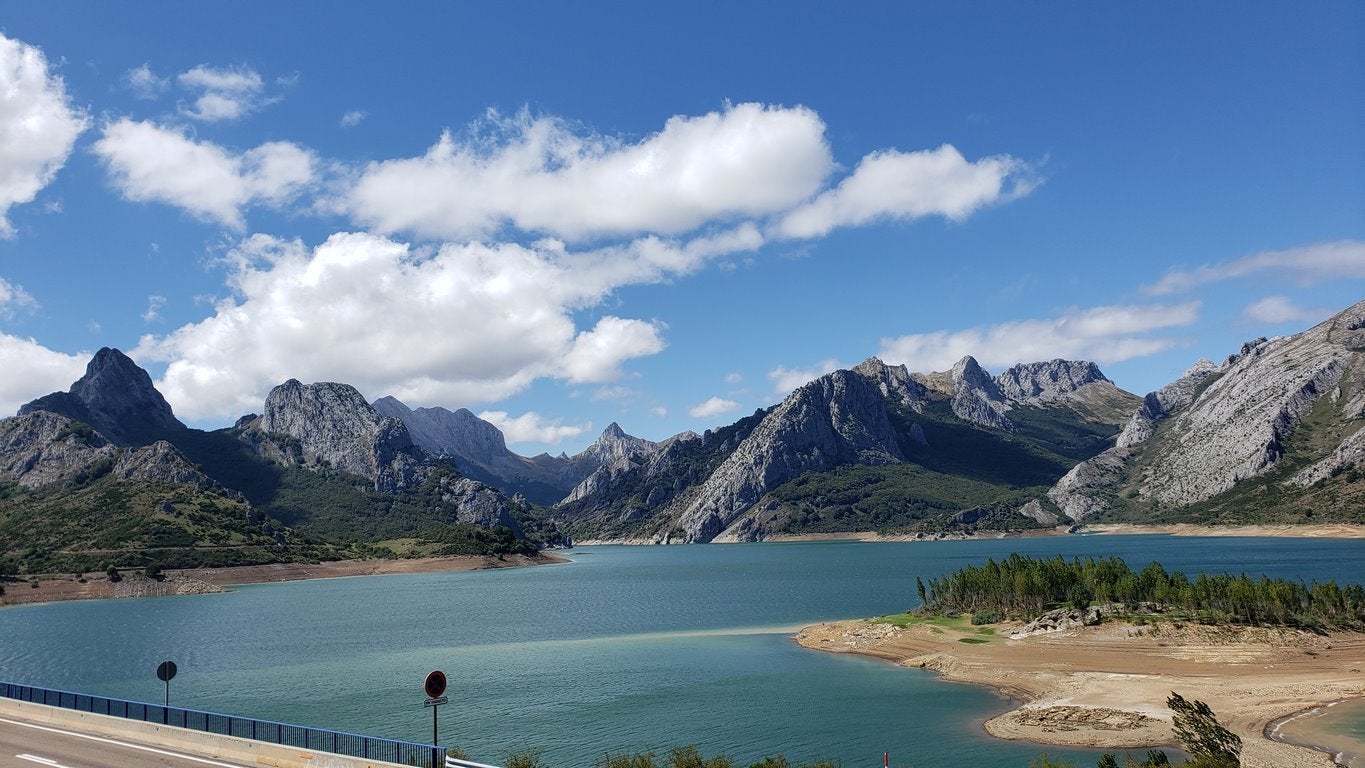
(435, 684)
(165, 671)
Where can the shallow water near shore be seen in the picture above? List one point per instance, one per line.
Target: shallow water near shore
(624, 649)
(1338, 727)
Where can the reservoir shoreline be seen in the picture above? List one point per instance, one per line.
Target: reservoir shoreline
(195, 581)
(1105, 687)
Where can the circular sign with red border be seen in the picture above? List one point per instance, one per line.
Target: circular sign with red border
(435, 684)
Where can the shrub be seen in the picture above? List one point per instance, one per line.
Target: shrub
(987, 616)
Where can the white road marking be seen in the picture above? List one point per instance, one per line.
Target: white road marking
(103, 740)
(42, 760)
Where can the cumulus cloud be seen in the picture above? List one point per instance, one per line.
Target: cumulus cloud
(38, 125)
(152, 163)
(1102, 334)
(223, 94)
(462, 323)
(32, 370)
(733, 378)
(531, 427)
(1305, 265)
(538, 174)
(13, 297)
(597, 355)
(1280, 309)
(910, 185)
(353, 118)
(715, 406)
(787, 379)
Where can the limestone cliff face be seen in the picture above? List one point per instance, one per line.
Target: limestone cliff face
(1217, 426)
(334, 425)
(117, 398)
(40, 449)
(973, 394)
(1237, 426)
(1047, 382)
(1163, 402)
(836, 419)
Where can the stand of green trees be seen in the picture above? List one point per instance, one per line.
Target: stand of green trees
(1021, 587)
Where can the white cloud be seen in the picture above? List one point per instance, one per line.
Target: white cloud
(460, 323)
(531, 427)
(659, 412)
(597, 355)
(733, 378)
(787, 379)
(353, 118)
(910, 185)
(154, 305)
(715, 406)
(224, 94)
(14, 297)
(1101, 334)
(1279, 309)
(32, 370)
(1305, 265)
(144, 83)
(538, 175)
(152, 163)
(38, 126)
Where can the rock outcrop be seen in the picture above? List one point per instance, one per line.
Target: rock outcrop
(41, 448)
(117, 398)
(1047, 381)
(332, 425)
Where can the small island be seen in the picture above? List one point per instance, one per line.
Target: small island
(1093, 649)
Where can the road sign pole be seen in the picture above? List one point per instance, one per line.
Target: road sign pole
(434, 739)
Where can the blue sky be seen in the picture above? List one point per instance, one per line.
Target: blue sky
(562, 215)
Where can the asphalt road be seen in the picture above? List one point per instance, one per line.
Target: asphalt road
(28, 745)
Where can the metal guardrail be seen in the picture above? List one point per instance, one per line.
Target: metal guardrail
(320, 739)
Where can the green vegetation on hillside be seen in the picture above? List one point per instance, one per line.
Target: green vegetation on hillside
(897, 498)
(99, 522)
(1023, 587)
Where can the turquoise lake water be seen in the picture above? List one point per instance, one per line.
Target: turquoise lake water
(624, 649)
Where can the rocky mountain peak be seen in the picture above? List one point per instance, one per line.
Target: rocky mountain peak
(117, 398)
(614, 445)
(976, 396)
(895, 382)
(334, 425)
(442, 432)
(1047, 381)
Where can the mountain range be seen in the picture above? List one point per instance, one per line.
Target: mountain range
(105, 473)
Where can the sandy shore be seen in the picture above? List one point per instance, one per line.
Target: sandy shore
(205, 580)
(1105, 687)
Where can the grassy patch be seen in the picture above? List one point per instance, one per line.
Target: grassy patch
(973, 640)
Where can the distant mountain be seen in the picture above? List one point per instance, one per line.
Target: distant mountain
(919, 450)
(478, 450)
(1272, 434)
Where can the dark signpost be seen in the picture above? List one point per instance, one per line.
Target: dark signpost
(164, 672)
(435, 687)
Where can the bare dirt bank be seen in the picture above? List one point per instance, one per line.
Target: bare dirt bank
(1105, 687)
(205, 580)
